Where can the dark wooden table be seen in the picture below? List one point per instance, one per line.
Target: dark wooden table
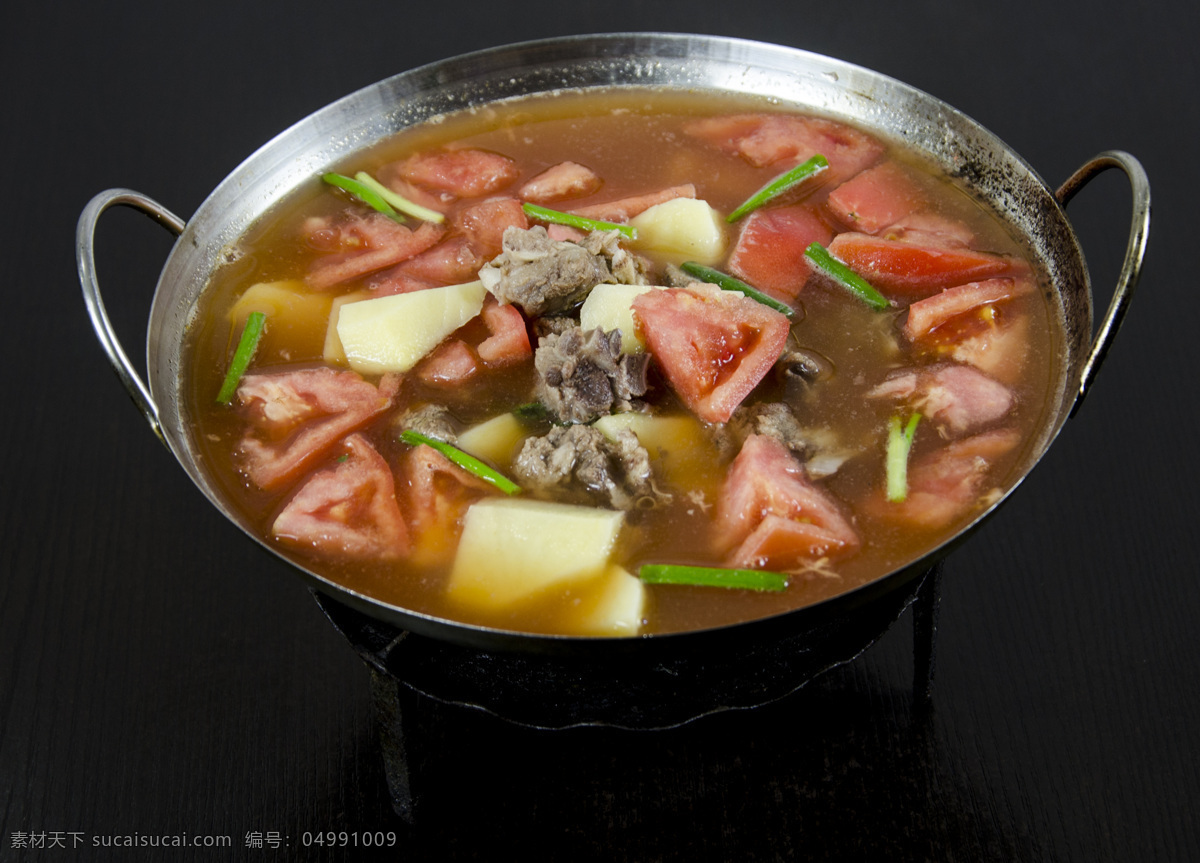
(161, 676)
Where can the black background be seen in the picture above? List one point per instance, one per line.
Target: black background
(159, 674)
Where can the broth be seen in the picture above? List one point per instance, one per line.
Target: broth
(841, 375)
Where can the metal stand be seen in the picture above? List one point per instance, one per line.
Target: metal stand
(416, 682)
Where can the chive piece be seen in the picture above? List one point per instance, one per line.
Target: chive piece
(898, 446)
(557, 217)
(779, 185)
(467, 462)
(707, 576)
(846, 277)
(398, 201)
(247, 345)
(367, 196)
(729, 283)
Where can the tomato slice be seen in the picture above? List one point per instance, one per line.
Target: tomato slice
(773, 515)
(464, 173)
(769, 254)
(714, 346)
(348, 511)
(509, 339)
(295, 416)
(910, 269)
(876, 198)
(925, 316)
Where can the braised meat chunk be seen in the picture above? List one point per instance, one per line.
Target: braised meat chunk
(582, 375)
(582, 464)
(545, 276)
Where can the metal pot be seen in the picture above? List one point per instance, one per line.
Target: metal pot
(892, 110)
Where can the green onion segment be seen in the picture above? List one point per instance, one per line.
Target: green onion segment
(779, 185)
(363, 193)
(899, 443)
(467, 462)
(845, 277)
(398, 201)
(557, 217)
(247, 345)
(729, 283)
(707, 576)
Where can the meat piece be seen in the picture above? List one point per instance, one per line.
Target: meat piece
(367, 244)
(582, 464)
(772, 419)
(928, 314)
(554, 325)
(583, 375)
(767, 139)
(348, 511)
(545, 276)
(626, 208)
(466, 173)
(431, 420)
(769, 253)
(627, 268)
(876, 198)
(960, 399)
(950, 482)
(771, 515)
(296, 416)
(561, 181)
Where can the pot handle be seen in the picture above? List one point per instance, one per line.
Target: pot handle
(85, 237)
(1135, 253)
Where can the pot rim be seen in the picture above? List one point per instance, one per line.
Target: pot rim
(808, 81)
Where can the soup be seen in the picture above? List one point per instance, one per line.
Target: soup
(522, 365)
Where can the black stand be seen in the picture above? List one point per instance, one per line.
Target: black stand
(416, 682)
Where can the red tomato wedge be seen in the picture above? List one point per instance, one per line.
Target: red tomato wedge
(376, 242)
(949, 482)
(714, 346)
(925, 316)
(876, 198)
(484, 224)
(773, 515)
(452, 363)
(463, 173)
(437, 493)
(913, 270)
(769, 254)
(295, 416)
(509, 339)
(348, 511)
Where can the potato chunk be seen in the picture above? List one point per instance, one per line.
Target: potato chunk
(682, 229)
(513, 548)
(613, 604)
(296, 317)
(609, 307)
(679, 446)
(496, 440)
(392, 334)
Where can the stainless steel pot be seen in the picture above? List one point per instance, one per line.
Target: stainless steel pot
(889, 108)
